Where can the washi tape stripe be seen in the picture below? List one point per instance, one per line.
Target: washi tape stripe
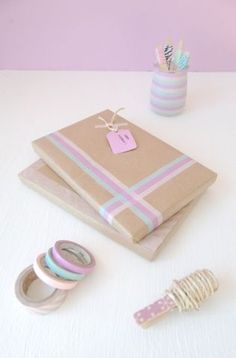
(151, 216)
(168, 86)
(166, 108)
(170, 74)
(112, 180)
(121, 206)
(157, 182)
(177, 81)
(114, 206)
(166, 97)
(172, 93)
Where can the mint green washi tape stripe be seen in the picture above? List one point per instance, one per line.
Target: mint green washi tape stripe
(60, 271)
(147, 179)
(137, 211)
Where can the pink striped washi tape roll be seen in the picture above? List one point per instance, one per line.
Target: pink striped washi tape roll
(168, 92)
(73, 257)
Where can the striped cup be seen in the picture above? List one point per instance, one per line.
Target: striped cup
(168, 92)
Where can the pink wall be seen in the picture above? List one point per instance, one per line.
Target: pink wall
(114, 35)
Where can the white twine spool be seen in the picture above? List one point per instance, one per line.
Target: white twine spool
(190, 291)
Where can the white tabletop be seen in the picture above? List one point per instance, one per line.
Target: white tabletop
(97, 317)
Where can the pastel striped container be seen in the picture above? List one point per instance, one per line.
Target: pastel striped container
(168, 92)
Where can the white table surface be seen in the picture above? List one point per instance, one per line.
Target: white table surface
(96, 319)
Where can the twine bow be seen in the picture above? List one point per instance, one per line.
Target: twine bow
(111, 125)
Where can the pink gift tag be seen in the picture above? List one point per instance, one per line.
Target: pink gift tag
(121, 141)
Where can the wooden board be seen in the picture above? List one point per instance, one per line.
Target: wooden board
(44, 180)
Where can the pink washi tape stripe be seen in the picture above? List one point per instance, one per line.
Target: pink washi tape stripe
(50, 278)
(146, 212)
(73, 257)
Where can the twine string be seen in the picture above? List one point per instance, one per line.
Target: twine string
(190, 291)
(111, 125)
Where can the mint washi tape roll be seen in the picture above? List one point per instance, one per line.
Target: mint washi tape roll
(49, 277)
(60, 271)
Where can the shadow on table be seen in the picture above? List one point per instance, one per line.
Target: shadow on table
(199, 99)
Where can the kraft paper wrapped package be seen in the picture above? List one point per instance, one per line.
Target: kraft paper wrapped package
(41, 178)
(135, 191)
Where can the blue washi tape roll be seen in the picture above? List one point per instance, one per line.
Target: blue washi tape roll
(60, 271)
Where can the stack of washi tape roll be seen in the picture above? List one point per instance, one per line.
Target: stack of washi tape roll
(169, 84)
(61, 268)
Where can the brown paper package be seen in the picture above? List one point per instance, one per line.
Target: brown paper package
(128, 169)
